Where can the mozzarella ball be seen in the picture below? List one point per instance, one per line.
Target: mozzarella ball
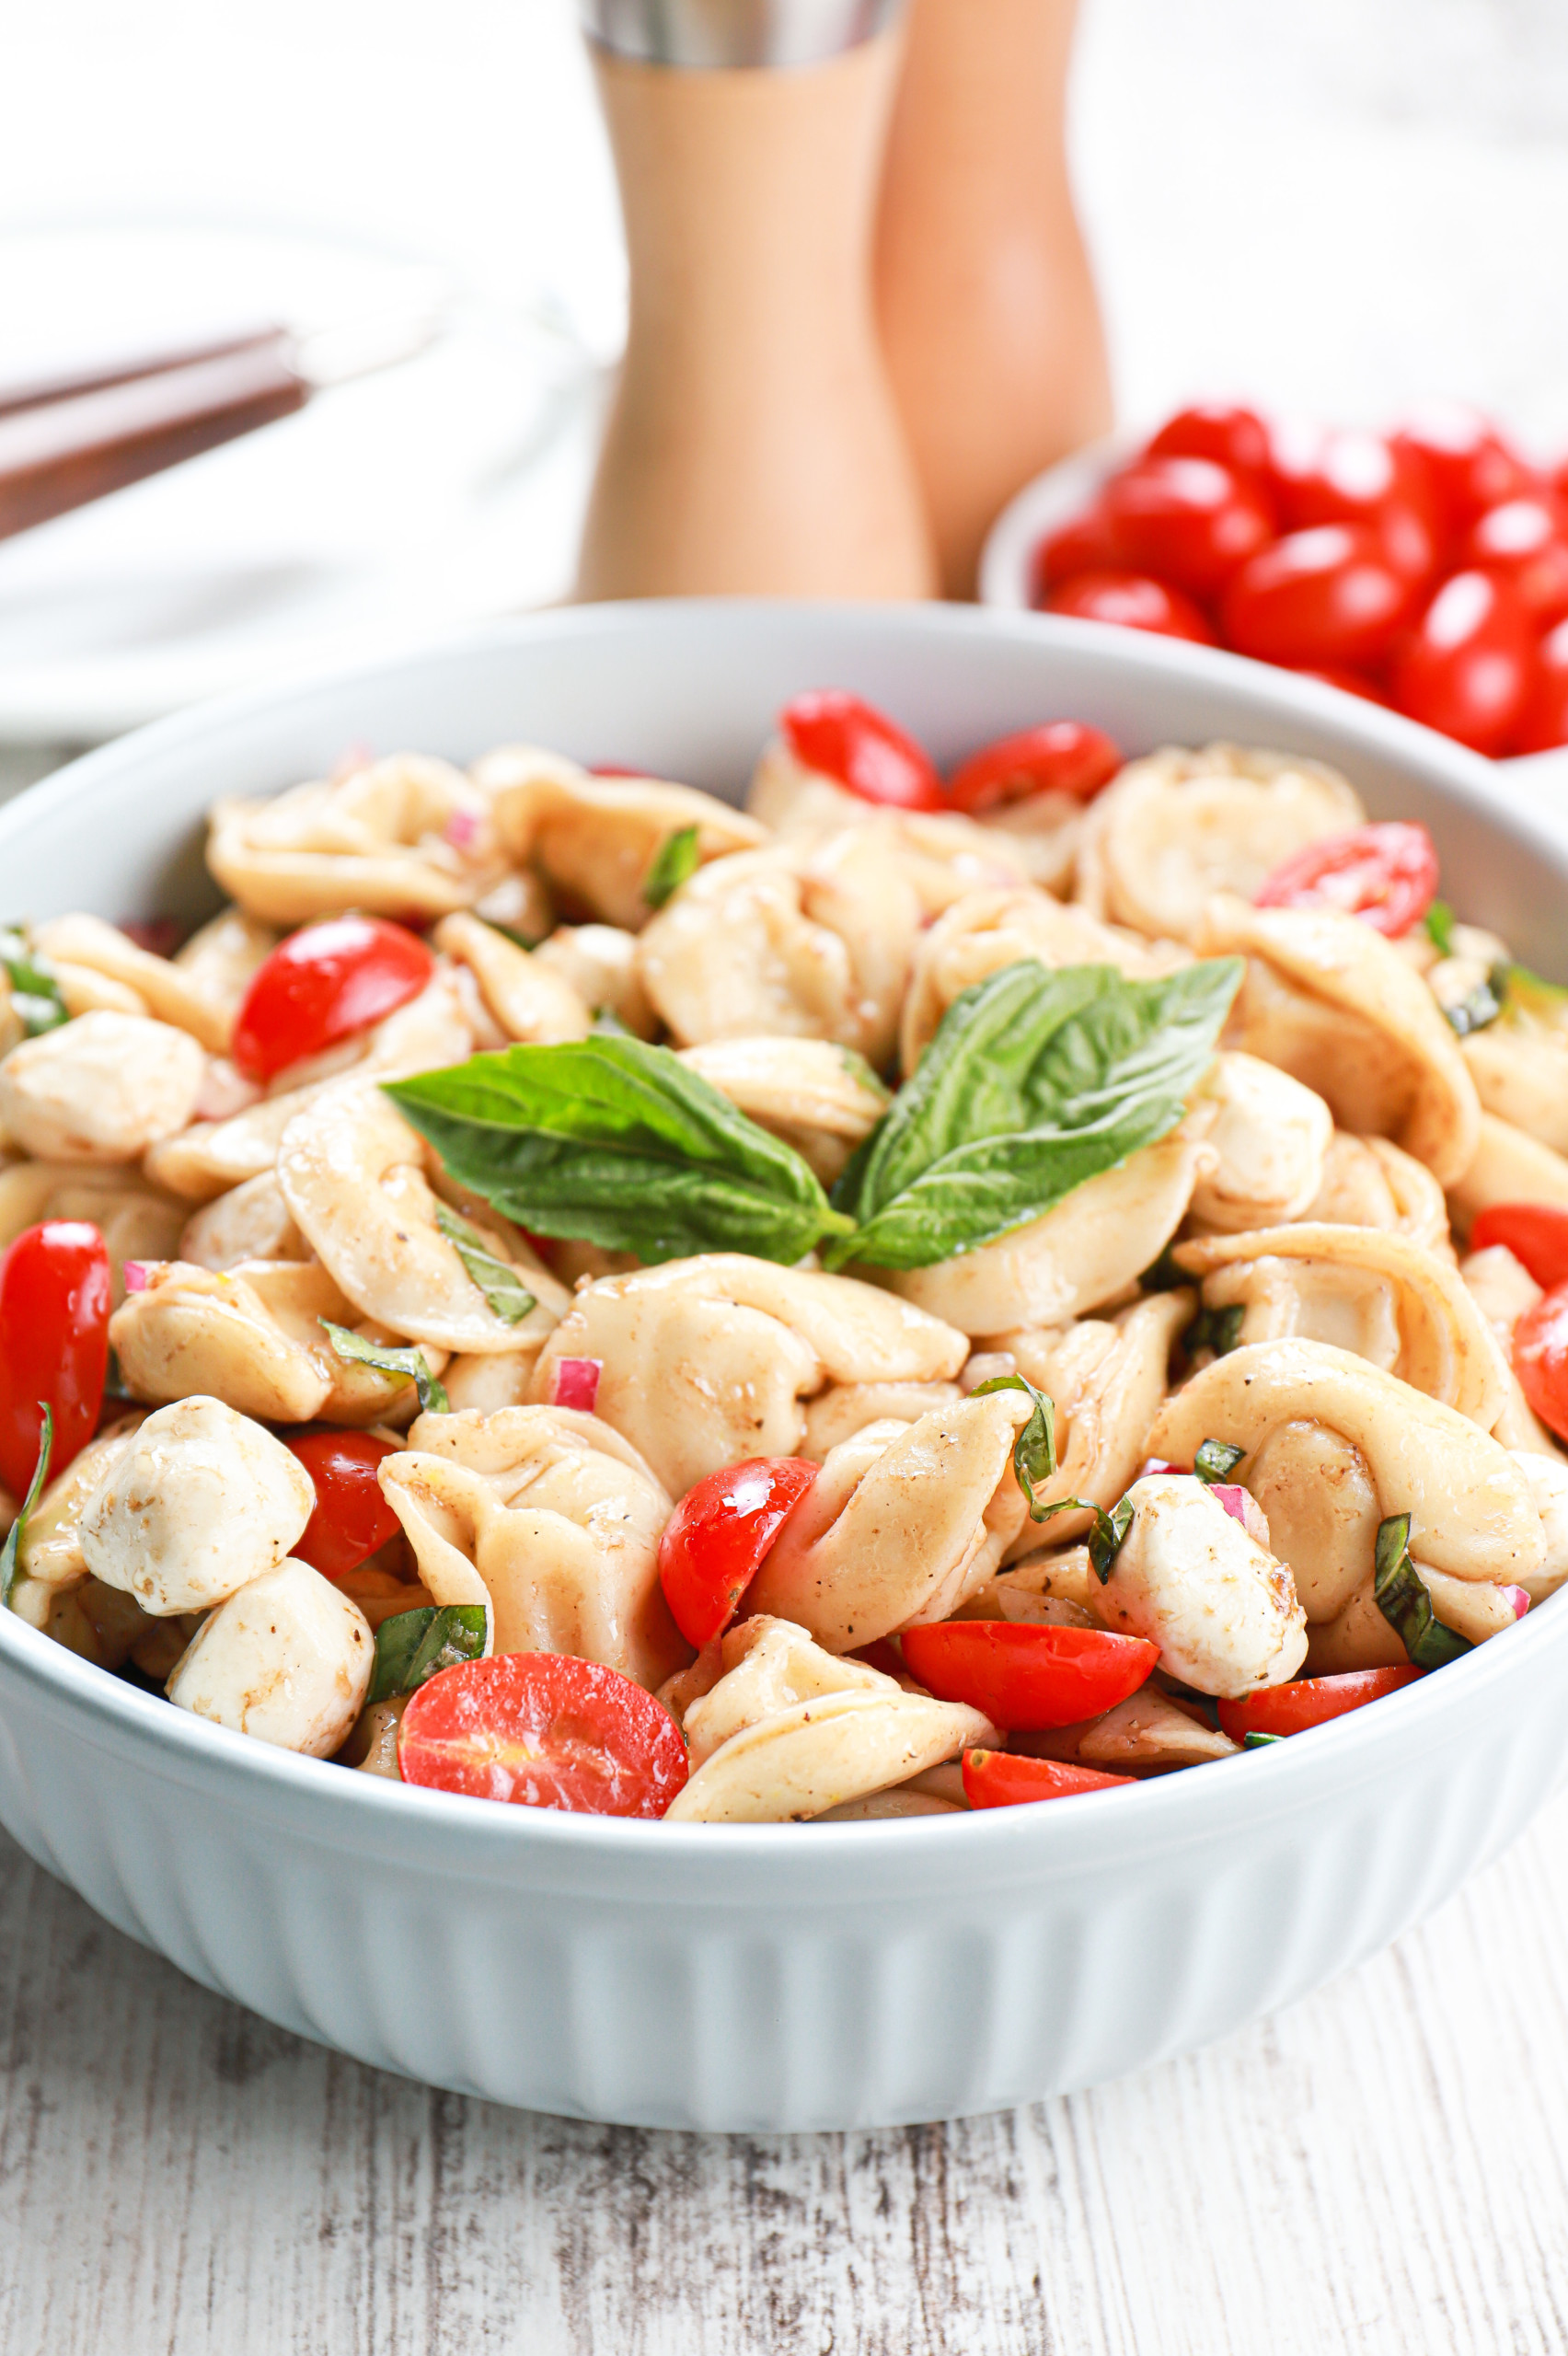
(287, 1659)
(100, 1089)
(202, 1502)
(1222, 1610)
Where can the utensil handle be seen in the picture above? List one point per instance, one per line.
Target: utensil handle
(71, 452)
(120, 368)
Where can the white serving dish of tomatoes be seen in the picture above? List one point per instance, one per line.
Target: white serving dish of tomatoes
(765, 1977)
(1425, 568)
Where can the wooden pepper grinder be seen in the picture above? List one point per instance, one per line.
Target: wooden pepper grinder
(754, 446)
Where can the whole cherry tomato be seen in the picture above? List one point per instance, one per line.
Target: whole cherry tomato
(1133, 601)
(1327, 596)
(1064, 757)
(1353, 477)
(1085, 543)
(1470, 665)
(1233, 437)
(322, 984)
(862, 749)
(716, 1540)
(54, 1304)
(1464, 459)
(1545, 724)
(1027, 1678)
(543, 1730)
(1349, 683)
(1541, 1358)
(1385, 874)
(1536, 1233)
(1001, 1779)
(1524, 542)
(351, 1517)
(1309, 1702)
(1186, 520)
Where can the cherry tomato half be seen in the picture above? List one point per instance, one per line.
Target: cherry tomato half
(543, 1730)
(1464, 459)
(1064, 757)
(324, 984)
(1545, 724)
(862, 749)
(1385, 874)
(351, 1516)
(715, 1540)
(1536, 1233)
(1001, 1779)
(1541, 1358)
(1186, 520)
(54, 1304)
(1326, 596)
(1085, 543)
(1133, 601)
(1233, 437)
(1469, 667)
(1026, 1678)
(1309, 1700)
(1524, 542)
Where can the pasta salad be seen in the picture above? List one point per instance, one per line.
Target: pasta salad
(914, 1295)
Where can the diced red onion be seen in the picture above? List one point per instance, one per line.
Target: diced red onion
(1157, 1464)
(1520, 1598)
(1233, 1497)
(462, 829)
(577, 1382)
(135, 1274)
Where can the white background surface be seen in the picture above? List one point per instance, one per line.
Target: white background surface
(1336, 208)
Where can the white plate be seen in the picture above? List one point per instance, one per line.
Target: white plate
(777, 1976)
(430, 495)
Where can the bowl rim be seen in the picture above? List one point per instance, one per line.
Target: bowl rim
(1166, 1811)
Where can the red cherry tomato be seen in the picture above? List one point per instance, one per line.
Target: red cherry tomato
(1187, 521)
(1536, 1233)
(1353, 477)
(1541, 1358)
(1545, 724)
(54, 1303)
(1327, 596)
(1026, 1678)
(1001, 1779)
(1470, 666)
(1524, 542)
(1464, 459)
(862, 749)
(543, 1730)
(1085, 543)
(1064, 757)
(715, 1540)
(323, 985)
(1350, 683)
(1386, 874)
(351, 1516)
(1236, 438)
(1309, 1700)
(1133, 601)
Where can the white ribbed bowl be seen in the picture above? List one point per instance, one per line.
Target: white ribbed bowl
(775, 1977)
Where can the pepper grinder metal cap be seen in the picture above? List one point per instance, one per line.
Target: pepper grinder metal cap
(708, 35)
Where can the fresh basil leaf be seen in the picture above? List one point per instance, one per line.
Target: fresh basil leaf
(35, 994)
(1405, 1603)
(413, 1646)
(675, 861)
(1218, 1330)
(1256, 1741)
(1034, 1449)
(11, 1551)
(410, 1363)
(1035, 1082)
(1217, 1461)
(1164, 1275)
(620, 1143)
(1439, 923)
(518, 938)
(502, 1285)
(1110, 1531)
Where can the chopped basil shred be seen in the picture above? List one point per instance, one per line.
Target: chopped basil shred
(1480, 1007)
(607, 1025)
(10, 1553)
(1218, 1330)
(35, 999)
(413, 1646)
(1405, 1603)
(1108, 1536)
(675, 861)
(518, 938)
(1256, 1741)
(1034, 1449)
(502, 1285)
(1439, 923)
(1164, 1275)
(410, 1363)
(1217, 1461)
